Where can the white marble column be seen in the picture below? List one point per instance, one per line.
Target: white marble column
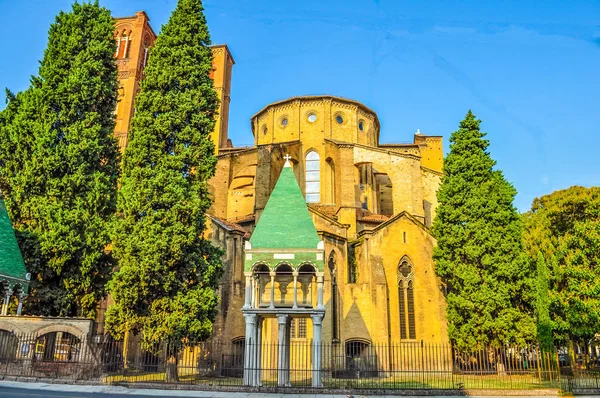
(248, 294)
(295, 290)
(320, 305)
(250, 350)
(317, 377)
(283, 363)
(6, 301)
(21, 297)
(258, 352)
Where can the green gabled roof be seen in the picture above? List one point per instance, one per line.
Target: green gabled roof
(285, 222)
(12, 267)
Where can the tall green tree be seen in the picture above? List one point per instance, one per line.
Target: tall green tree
(59, 164)
(542, 308)
(479, 255)
(564, 228)
(166, 285)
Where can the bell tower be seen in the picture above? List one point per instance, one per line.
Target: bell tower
(221, 74)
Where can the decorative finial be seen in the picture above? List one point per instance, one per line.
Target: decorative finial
(418, 131)
(287, 161)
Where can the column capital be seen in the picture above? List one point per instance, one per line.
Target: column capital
(250, 318)
(8, 293)
(317, 319)
(282, 319)
(248, 274)
(272, 274)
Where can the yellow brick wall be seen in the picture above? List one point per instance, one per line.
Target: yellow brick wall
(367, 309)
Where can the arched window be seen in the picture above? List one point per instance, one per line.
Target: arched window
(313, 177)
(123, 44)
(406, 300)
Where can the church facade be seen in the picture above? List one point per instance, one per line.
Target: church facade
(372, 205)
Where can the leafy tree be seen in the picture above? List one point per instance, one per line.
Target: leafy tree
(60, 164)
(564, 227)
(479, 253)
(544, 324)
(166, 285)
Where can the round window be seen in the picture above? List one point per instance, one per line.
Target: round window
(339, 119)
(312, 118)
(361, 126)
(284, 122)
(265, 130)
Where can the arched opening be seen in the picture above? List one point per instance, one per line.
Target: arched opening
(9, 344)
(123, 44)
(284, 289)
(262, 280)
(57, 346)
(313, 177)
(406, 300)
(306, 281)
(360, 358)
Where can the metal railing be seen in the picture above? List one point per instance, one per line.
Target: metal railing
(356, 365)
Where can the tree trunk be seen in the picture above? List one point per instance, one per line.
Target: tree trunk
(171, 375)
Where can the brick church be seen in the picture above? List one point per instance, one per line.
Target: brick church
(372, 205)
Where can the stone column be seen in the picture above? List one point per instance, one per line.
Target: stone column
(295, 290)
(21, 297)
(258, 373)
(6, 301)
(272, 274)
(250, 350)
(283, 363)
(248, 296)
(320, 305)
(317, 379)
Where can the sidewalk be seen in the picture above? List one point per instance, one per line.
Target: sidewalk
(123, 391)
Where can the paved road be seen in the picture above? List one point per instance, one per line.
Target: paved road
(41, 390)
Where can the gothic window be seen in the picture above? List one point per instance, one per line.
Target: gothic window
(313, 178)
(146, 49)
(123, 45)
(406, 300)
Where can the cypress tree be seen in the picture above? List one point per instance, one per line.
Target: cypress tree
(166, 285)
(479, 254)
(60, 164)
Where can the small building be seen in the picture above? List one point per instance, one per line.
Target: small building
(284, 262)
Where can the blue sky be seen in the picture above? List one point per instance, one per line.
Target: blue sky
(529, 69)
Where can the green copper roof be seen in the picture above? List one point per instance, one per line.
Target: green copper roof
(12, 268)
(285, 223)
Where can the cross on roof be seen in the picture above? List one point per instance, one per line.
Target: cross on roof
(287, 161)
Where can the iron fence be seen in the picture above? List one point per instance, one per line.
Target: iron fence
(356, 365)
